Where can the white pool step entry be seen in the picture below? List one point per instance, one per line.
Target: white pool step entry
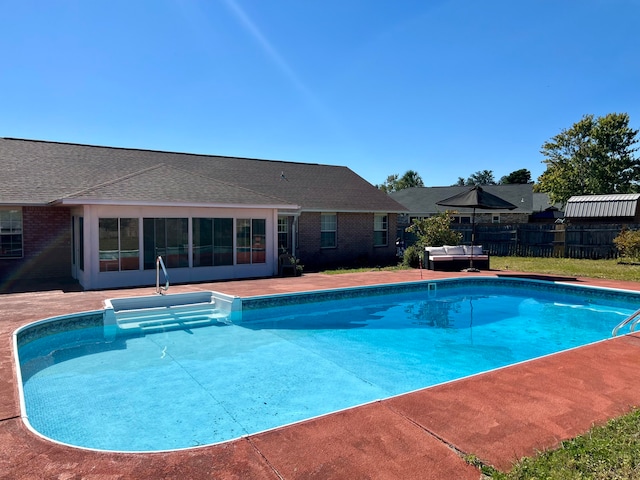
(170, 318)
(157, 313)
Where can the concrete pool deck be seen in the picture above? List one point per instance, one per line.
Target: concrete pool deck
(499, 416)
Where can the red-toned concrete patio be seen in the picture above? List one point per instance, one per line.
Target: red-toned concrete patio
(498, 416)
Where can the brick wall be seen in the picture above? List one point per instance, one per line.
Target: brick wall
(46, 246)
(354, 242)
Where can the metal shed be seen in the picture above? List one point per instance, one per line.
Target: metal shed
(616, 206)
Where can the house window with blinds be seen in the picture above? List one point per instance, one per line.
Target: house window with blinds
(328, 230)
(10, 233)
(380, 231)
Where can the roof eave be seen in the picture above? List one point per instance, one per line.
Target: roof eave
(135, 203)
(342, 210)
(24, 204)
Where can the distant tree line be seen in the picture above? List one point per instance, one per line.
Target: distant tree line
(411, 178)
(485, 177)
(595, 156)
(395, 182)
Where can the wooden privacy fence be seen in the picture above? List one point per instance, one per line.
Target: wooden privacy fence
(547, 240)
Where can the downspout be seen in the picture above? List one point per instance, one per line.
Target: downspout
(294, 237)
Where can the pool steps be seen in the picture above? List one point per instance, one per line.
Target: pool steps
(157, 313)
(166, 318)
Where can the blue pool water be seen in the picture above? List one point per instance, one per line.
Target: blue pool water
(285, 363)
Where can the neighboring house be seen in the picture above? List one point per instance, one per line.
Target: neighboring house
(101, 215)
(544, 211)
(421, 202)
(615, 208)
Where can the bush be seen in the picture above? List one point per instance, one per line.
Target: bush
(628, 244)
(435, 231)
(412, 256)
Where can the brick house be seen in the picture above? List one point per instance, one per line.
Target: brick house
(421, 202)
(101, 215)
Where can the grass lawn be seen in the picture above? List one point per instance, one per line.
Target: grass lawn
(611, 269)
(611, 451)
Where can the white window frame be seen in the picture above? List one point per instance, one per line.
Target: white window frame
(119, 252)
(283, 229)
(12, 224)
(381, 225)
(328, 225)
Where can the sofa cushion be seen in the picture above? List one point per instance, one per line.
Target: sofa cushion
(442, 258)
(433, 251)
(468, 257)
(477, 249)
(454, 249)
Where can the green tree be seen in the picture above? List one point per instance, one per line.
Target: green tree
(411, 178)
(435, 231)
(394, 182)
(595, 156)
(517, 177)
(390, 184)
(481, 177)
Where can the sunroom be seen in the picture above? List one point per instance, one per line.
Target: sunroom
(118, 246)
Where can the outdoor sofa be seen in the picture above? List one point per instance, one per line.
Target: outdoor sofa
(455, 257)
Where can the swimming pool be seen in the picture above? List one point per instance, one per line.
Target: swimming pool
(292, 357)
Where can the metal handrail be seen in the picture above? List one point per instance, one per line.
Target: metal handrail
(635, 314)
(159, 289)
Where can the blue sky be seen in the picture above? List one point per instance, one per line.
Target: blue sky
(442, 87)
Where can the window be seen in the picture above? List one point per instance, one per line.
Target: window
(251, 239)
(328, 230)
(223, 241)
(495, 218)
(283, 233)
(118, 244)
(380, 228)
(212, 242)
(129, 244)
(10, 233)
(108, 245)
(259, 245)
(81, 242)
(462, 220)
(73, 241)
(167, 237)
(202, 242)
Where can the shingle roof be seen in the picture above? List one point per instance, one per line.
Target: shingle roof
(619, 205)
(422, 200)
(40, 172)
(180, 186)
(542, 202)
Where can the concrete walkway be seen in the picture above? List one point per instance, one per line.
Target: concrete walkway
(499, 416)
